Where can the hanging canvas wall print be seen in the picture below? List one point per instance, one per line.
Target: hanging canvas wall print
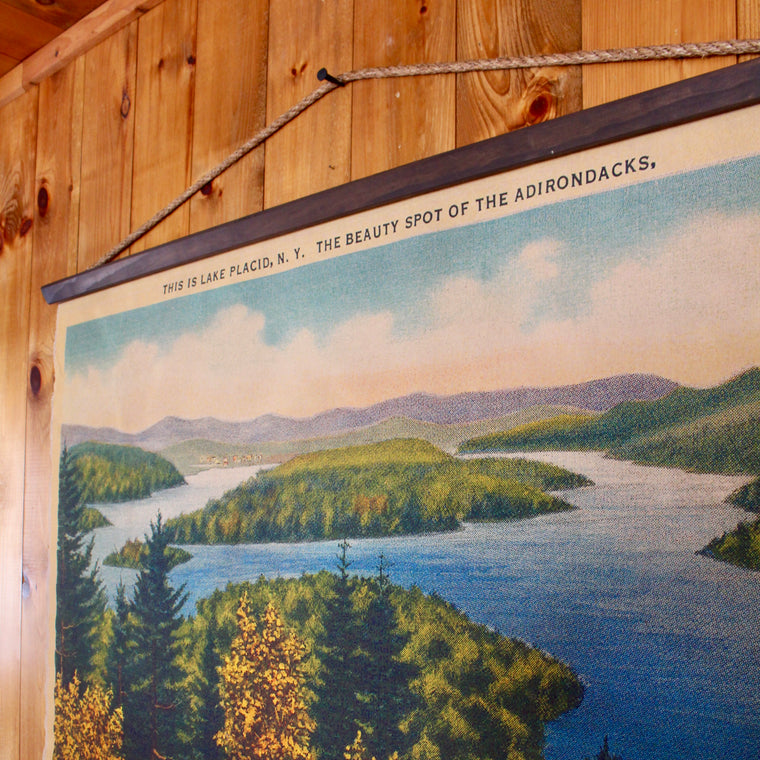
(467, 473)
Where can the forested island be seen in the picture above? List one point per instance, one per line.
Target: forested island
(395, 487)
(111, 473)
(134, 554)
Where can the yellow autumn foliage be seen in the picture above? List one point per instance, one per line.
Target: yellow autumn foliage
(358, 751)
(85, 727)
(262, 692)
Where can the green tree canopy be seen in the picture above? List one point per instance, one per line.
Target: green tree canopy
(155, 705)
(80, 598)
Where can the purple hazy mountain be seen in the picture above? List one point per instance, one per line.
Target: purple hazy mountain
(595, 395)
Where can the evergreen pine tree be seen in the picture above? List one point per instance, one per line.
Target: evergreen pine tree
(80, 599)
(604, 753)
(337, 710)
(385, 678)
(210, 715)
(154, 706)
(118, 653)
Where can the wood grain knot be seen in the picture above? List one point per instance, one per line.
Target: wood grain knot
(423, 9)
(538, 107)
(297, 71)
(43, 201)
(207, 189)
(539, 100)
(35, 380)
(126, 104)
(26, 225)
(191, 60)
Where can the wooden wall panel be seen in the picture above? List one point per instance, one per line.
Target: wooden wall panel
(59, 150)
(163, 117)
(491, 103)
(396, 121)
(230, 107)
(305, 36)
(62, 13)
(21, 34)
(747, 22)
(6, 63)
(107, 145)
(17, 158)
(650, 22)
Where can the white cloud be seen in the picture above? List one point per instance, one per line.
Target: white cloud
(539, 259)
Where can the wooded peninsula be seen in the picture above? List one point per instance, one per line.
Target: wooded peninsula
(714, 430)
(110, 473)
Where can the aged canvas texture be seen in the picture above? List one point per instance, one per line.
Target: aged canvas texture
(474, 475)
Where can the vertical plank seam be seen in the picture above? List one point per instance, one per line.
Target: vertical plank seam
(191, 152)
(457, 77)
(28, 286)
(133, 115)
(350, 172)
(28, 412)
(189, 157)
(81, 164)
(263, 147)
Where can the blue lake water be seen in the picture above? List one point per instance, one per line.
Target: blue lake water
(667, 641)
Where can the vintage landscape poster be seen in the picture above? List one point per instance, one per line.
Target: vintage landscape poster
(474, 475)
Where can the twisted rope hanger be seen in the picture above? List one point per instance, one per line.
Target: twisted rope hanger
(648, 53)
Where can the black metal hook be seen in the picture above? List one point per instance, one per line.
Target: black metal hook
(323, 74)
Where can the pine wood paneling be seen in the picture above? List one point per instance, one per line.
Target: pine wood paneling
(6, 64)
(102, 22)
(230, 107)
(11, 86)
(747, 22)
(22, 34)
(650, 22)
(305, 36)
(396, 121)
(62, 13)
(107, 145)
(491, 103)
(59, 148)
(163, 117)
(17, 157)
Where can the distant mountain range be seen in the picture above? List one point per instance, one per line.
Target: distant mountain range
(462, 408)
(702, 429)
